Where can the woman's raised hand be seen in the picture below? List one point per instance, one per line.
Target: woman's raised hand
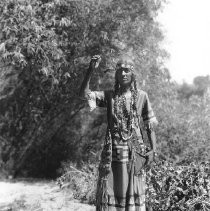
(95, 61)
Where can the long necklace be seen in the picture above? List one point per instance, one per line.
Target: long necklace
(125, 118)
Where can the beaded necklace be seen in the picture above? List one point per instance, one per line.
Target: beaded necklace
(125, 118)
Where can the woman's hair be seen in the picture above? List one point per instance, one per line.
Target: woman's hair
(125, 60)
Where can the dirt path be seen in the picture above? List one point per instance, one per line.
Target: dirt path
(37, 196)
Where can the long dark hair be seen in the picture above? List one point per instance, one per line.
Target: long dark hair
(117, 89)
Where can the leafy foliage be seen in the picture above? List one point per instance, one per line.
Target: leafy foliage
(169, 187)
(82, 182)
(179, 187)
(183, 135)
(44, 47)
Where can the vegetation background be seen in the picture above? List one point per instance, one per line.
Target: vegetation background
(46, 131)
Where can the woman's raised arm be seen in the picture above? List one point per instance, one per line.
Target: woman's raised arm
(94, 63)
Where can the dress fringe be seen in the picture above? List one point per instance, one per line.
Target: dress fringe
(104, 171)
(102, 195)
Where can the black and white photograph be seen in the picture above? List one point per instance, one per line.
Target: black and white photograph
(104, 105)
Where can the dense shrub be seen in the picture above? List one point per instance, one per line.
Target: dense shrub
(183, 132)
(174, 188)
(82, 181)
(169, 187)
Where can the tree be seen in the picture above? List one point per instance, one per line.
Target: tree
(46, 45)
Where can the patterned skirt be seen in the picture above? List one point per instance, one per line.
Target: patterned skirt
(125, 191)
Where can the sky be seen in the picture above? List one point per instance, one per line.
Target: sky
(186, 25)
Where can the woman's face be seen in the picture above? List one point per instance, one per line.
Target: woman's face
(124, 76)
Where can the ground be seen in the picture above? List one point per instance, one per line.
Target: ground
(33, 195)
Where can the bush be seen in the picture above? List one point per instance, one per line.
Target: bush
(81, 181)
(178, 187)
(169, 187)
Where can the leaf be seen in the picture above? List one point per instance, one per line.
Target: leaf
(45, 71)
(29, 8)
(18, 55)
(2, 47)
(55, 81)
(67, 75)
(6, 55)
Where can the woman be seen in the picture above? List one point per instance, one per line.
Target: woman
(121, 182)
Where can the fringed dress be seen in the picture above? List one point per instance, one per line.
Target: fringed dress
(120, 187)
